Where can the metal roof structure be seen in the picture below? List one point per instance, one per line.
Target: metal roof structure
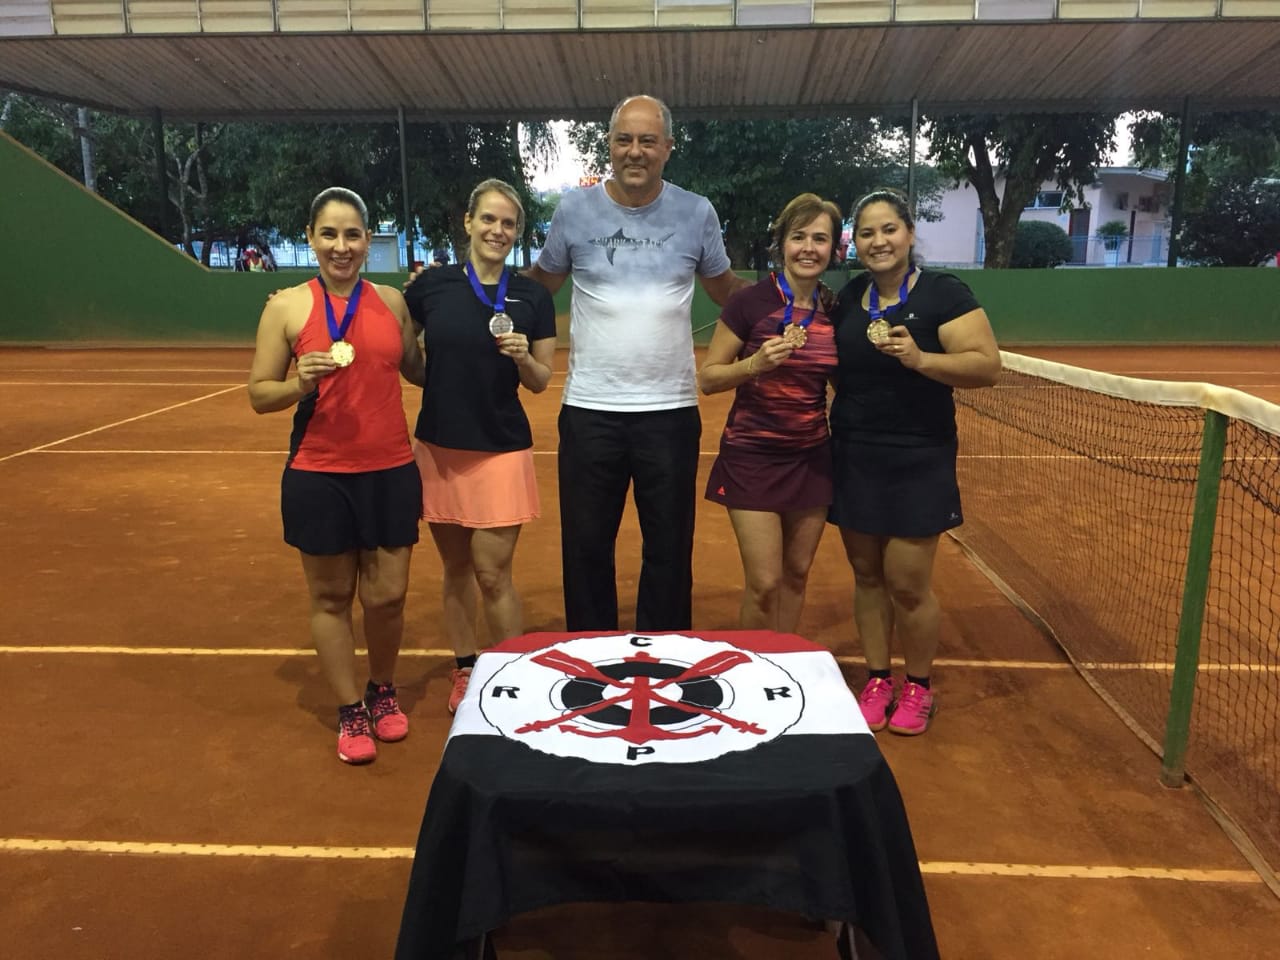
(540, 59)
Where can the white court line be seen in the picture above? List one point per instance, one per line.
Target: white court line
(118, 423)
(1051, 665)
(109, 650)
(107, 383)
(702, 453)
(274, 453)
(45, 372)
(330, 852)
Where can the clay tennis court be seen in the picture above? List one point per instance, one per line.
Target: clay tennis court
(170, 787)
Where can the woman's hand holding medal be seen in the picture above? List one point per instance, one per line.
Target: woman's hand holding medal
(771, 355)
(515, 346)
(900, 345)
(312, 368)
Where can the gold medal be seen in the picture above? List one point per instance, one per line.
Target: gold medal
(878, 331)
(795, 336)
(342, 353)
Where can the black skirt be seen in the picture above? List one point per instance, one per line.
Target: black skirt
(326, 514)
(892, 491)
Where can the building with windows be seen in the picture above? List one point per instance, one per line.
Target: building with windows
(1138, 200)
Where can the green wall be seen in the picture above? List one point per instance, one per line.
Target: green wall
(75, 268)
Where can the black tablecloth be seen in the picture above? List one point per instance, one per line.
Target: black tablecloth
(809, 824)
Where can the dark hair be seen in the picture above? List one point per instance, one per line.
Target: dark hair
(501, 187)
(895, 199)
(801, 210)
(338, 195)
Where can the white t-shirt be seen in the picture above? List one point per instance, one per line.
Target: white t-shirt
(630, 327)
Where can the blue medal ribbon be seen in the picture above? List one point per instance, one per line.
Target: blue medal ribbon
(873, 298)
(499, 303)
(338, 331)
(780, 280)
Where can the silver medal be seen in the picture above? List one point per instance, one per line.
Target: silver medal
(500, 323)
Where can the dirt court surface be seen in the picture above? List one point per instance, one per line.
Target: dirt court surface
(171, 789)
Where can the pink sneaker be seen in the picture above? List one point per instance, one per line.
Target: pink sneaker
(389, 721)
(355, 735)
(458, 679)
(876, 701)
(915, 708)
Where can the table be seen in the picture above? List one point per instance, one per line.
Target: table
(704, 766)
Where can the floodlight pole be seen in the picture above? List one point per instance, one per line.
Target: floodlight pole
(162, 177)
(404, 192)
(911, 156)
(1179, 180)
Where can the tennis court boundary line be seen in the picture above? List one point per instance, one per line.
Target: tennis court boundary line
(301, 852)
(120, 423)
(279, 652)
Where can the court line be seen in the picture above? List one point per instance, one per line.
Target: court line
(1122, 458)
(45, 371)
(300, 852)
(1085, 872)
(959, 663)
(122, 452)
(119, 423)
(107, 383)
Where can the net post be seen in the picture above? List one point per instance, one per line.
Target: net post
(1195, 587)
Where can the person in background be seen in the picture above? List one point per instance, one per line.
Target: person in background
(634, 244)
(775, 346)
(350, 493)
(487, 332)
(905, 338)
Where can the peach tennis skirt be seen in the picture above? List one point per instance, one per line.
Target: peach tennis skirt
(476, 488)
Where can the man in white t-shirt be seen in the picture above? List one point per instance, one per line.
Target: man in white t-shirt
(634, 245)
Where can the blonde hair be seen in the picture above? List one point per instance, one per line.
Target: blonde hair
(494, 185)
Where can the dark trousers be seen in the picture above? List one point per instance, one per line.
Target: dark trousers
(601, 453)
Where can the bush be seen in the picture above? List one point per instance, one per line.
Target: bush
(1117, 229)
(1039, 243)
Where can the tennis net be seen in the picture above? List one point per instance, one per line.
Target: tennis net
(1136, 519)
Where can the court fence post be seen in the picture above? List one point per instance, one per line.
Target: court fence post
(1195, 586)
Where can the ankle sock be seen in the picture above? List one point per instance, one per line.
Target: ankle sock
(879, 674)
(922, 681)
(464, 662)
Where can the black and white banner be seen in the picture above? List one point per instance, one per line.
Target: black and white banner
(656, 698)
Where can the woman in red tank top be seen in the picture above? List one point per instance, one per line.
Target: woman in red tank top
(333, 349)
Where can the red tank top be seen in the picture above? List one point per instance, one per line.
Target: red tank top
(354, 422)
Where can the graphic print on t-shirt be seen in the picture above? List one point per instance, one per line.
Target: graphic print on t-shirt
(620, 241)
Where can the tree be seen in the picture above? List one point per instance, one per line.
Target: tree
(1025, 149)
(1230, 187)
(243, 183)
(749, 169)
(1238, 224)
(1239, 144)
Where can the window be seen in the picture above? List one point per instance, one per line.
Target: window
(1046, 200)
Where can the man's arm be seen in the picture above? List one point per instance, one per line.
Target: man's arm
(721, 288)
(552, 281)
(413, 366)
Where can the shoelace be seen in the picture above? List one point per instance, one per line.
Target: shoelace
(383, 702)
(356, 723)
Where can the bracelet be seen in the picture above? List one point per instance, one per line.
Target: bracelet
(751, 367)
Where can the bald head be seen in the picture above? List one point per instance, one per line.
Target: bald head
(646, 103)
